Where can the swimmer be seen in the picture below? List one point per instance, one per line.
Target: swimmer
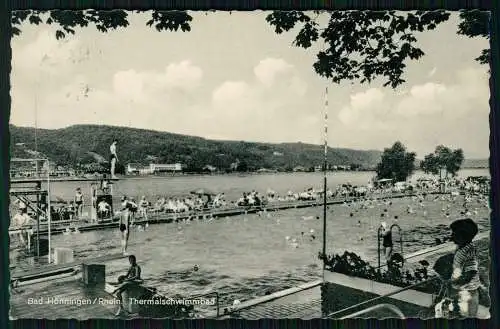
(125, 224)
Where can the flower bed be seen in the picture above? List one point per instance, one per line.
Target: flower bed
(351, 264)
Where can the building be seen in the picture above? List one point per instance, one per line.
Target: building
(234, 165)
(209, 168)
(299, 169)
(133, 168)
(156, 167)
(153, 168)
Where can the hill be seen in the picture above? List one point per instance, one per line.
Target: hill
(83, 144)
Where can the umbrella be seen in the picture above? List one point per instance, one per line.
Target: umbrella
(203, 191)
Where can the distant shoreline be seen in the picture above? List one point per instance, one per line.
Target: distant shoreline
(244, 174)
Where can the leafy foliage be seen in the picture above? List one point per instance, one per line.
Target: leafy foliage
(443, 158)
(103, 20)
(475, 23)
(350, 263)
(396, 163)
(353, 265)
(364, 45)
(361, 45)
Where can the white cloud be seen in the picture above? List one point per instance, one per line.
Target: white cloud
(135, 77)
(468, 93)
(268, 68)
(365, 110)
(183, 75)
(252, 110)
(231, 91)
(139, 86)
(437, 113)
(46, 53)
(422, 100)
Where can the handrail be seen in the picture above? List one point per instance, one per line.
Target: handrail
(378, 241)
(390, 307)
(384, 296)
(216, 299)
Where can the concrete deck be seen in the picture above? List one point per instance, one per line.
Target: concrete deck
(302, 302)
(65, 298)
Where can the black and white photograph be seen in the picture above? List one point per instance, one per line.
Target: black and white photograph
(249, 164)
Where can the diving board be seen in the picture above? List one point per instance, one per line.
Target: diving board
(48, 270)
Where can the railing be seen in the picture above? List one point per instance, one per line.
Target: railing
(216, 294)
(389, 307)
(383, 296)
(379, 235)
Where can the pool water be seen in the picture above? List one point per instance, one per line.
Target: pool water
(245, 256)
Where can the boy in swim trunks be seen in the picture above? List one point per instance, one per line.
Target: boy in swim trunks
(78, 203)
(133, 276)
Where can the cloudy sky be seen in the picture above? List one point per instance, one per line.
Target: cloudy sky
(233, 78)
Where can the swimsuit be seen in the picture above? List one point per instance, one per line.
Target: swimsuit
(387, 240)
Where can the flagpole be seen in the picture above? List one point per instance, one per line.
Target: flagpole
(325, 163)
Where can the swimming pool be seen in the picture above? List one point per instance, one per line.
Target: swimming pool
(252, 255)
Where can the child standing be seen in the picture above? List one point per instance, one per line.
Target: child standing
(464, 280)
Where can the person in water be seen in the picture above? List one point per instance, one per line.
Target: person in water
(125, 223)
(143, 208)
(78, 203)
(133, 210)
(387, 241)
(113, 159)
(465, 281)
(132, 277)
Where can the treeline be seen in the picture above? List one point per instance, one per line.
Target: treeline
(89, 144)
(398, 164)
